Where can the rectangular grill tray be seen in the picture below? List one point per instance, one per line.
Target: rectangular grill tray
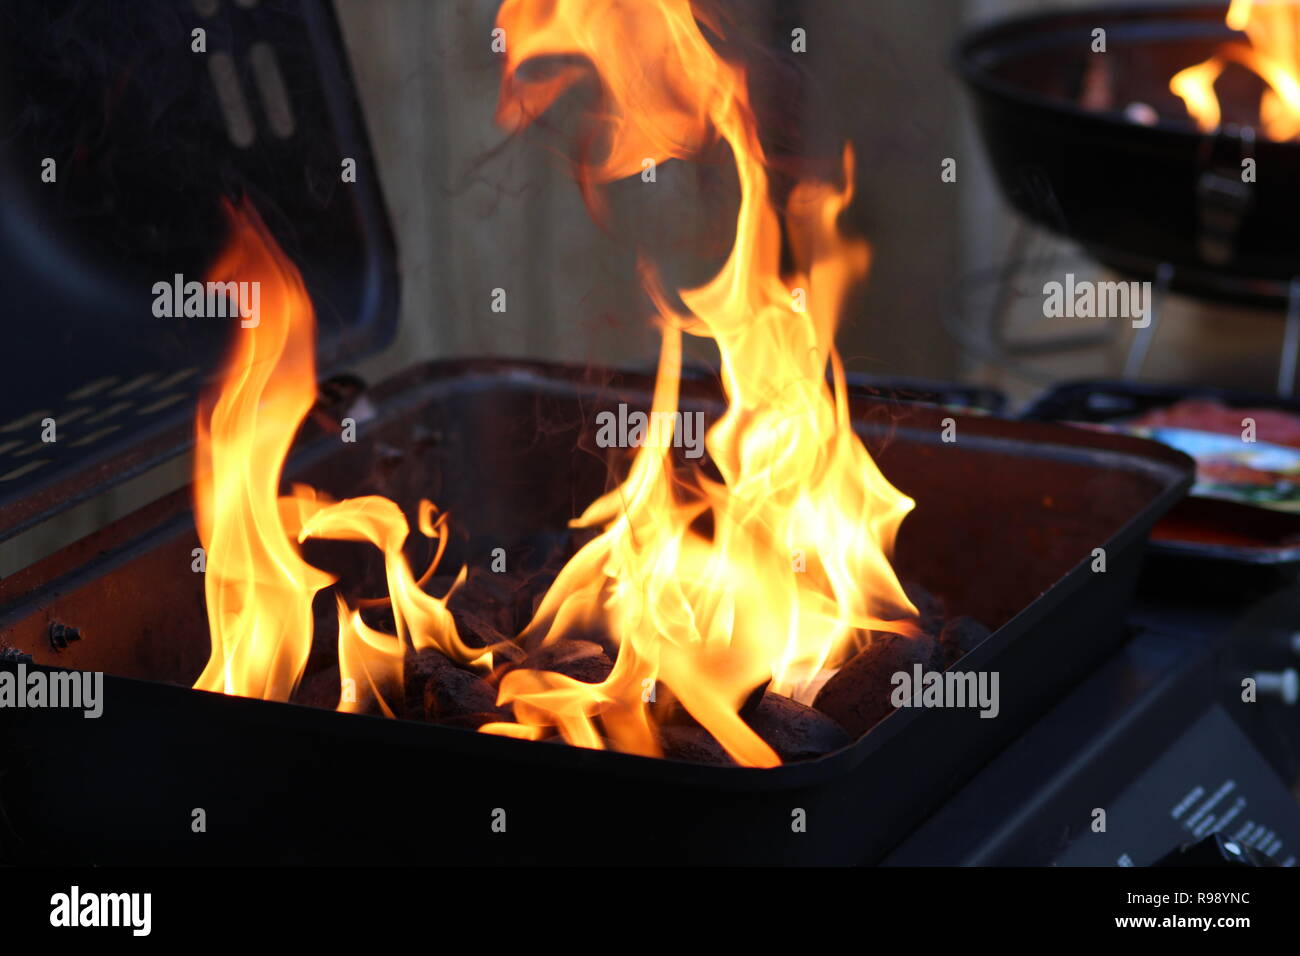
(1007, 521)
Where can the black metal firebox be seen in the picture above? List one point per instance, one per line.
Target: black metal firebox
(294, 783)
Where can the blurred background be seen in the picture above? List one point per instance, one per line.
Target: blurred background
(475, 210)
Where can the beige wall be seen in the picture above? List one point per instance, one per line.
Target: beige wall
(475, 211)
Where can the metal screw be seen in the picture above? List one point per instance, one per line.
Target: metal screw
(61, 635)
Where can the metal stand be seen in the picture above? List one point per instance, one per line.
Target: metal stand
(980, 319)
(1290, 343)
(1141, 344)
(984, 302)
(1020, 263)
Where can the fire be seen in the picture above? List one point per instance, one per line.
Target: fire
(259, 590)
(769, 567)
(779, 570)
(421, 620)
(1272, 53)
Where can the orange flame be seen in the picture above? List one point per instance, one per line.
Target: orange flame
(1272, 53)
(370, 664)
(779, 570)
(422, 620)
(773, 571)
(259, 590)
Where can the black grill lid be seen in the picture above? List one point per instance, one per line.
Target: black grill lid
(147, 136)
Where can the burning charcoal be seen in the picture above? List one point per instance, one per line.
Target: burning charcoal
(325, 634)
(928, 607)
(594, 634)
(581, 660)
(417, 670)
(440, 689)
(668, 710)
(598, 636)
(505, 658)
(320, 689)
(488, 597)
(795, 731)
(455, 692)
(498, 605)
(754, 701)
(858, 695)
(424, 663)
(693, 745)
(960, 636)
(478, 627)
(508, 655)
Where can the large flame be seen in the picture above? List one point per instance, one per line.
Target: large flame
(771, 568)
(780, 569)
(1272, 53)
(259, 590)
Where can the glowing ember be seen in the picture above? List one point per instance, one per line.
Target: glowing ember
(1272, 53)
(775, 567)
